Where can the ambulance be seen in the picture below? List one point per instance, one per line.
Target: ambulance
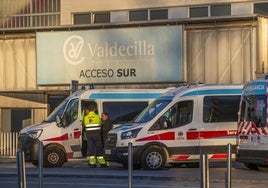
(179, 126)
(252, 139)
(61, 132)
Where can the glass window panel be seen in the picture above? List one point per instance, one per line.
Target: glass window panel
(102, 17)
(122, 112)
(261, 8)
(158, 14)
(198, 12)
(138, 15)
(82, 18)
(220, 10)
(220, 108)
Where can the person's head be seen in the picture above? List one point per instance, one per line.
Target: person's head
(104, 116)
(86, 111)
(91, 108)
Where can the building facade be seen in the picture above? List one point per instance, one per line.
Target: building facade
(45, 44)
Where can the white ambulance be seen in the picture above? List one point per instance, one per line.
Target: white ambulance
(252, 139)
(63, 140)
(178, 126)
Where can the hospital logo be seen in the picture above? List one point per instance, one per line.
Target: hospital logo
(72, 50)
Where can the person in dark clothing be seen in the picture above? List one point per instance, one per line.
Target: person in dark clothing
(107, 125)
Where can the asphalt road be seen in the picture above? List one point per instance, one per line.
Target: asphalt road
(78, 174)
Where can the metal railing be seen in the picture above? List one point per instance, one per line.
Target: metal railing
(8, 144)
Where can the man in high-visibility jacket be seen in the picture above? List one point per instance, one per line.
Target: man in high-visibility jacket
(92, 122)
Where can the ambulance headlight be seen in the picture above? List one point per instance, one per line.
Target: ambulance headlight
(130, 134)
(35, 133)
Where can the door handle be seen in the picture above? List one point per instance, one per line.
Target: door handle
(76, 129)
(192, 129)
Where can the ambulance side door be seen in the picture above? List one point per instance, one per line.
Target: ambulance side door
(219, 124)
(72, 128)
(173, 128)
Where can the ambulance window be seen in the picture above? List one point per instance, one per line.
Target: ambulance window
(71, 112)
(220, 108)
(178, 115)
(123, 112)
(184, 113)
(87, 103)
(254, 109)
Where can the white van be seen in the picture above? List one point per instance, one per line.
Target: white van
(178, 126)
(63, 141)
(252, 139)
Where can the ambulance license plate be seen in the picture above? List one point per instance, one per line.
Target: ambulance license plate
(108, 152)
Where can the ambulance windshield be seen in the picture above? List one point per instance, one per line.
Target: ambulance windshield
(253, 109)
(151, 111)
(57, 111)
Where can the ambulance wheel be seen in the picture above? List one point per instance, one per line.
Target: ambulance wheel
(153, 158)
(53, 157)
(251, 166)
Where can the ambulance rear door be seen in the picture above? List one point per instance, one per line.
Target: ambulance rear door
(252, 124)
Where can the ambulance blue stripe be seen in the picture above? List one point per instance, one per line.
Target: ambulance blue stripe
(125, 95)
(213, 92)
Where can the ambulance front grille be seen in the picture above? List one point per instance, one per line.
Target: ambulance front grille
(111, 140)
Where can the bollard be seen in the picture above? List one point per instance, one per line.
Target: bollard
(130, 165)
(40, 162)
(229, 166)
(21, 169)
(204, 171)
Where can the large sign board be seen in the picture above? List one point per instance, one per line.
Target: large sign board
(122, 55)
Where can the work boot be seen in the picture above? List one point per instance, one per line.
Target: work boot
(107, 163)
(92, 162)
(101, 161)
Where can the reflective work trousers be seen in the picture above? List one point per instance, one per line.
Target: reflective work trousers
(94, 143)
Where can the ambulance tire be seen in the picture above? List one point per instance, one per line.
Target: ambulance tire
(53, 157)
(153, 158)
(251, 166)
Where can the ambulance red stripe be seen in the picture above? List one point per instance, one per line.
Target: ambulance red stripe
(59, 138)
(192, 135)
(163, 136)
(219, 156)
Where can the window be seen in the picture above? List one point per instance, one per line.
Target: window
(220, 109)
(71, 113)
(30, 14)
(254, 109)
(198, 12)
(178, 115)
(122, 112)
(19, 119)
(138, 15)
(82, 18)
(152, 110)
(158, 14)
(103, 17)
(220, 10)
(261, 8)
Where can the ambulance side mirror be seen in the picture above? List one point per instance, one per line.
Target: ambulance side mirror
(59, 121)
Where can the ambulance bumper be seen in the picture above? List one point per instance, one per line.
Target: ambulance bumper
(252, 156)
(120, 154)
